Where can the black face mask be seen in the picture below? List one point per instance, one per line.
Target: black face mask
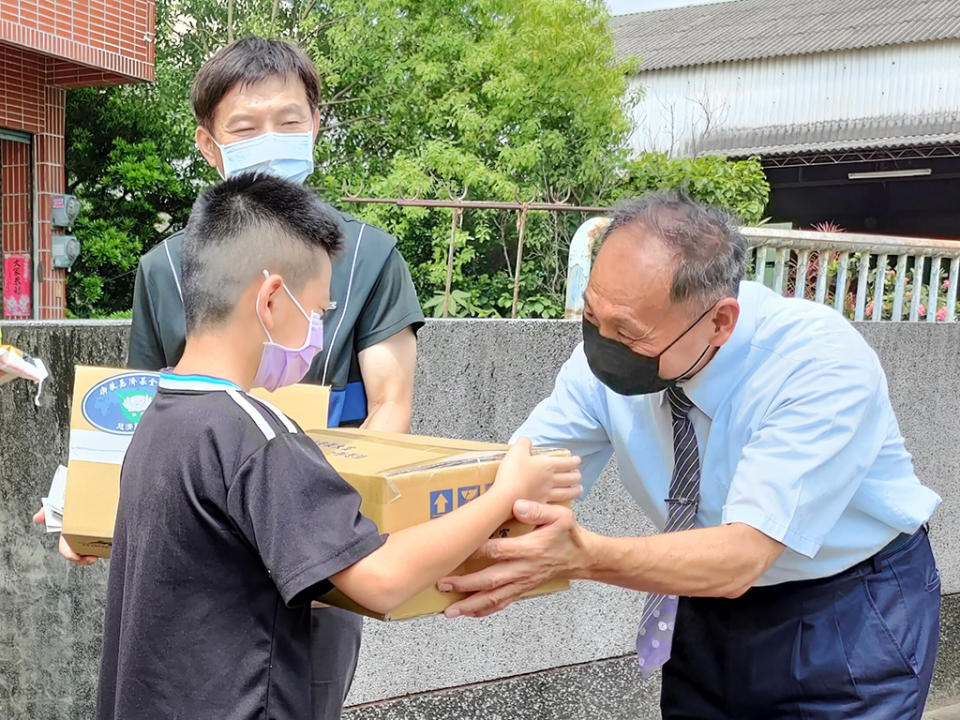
(624, 371)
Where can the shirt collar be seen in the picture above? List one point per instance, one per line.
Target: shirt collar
(710, 386)
(200, 383)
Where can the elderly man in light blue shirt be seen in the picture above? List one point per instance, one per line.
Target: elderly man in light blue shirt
(793, 577)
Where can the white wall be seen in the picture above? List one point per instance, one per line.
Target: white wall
(684, 109)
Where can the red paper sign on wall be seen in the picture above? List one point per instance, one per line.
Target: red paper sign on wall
(16, 286)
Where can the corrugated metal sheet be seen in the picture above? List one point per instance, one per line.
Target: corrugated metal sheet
(751, 29)
(796, 141)
(879, 97)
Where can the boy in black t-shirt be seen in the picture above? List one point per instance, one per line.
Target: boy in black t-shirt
(230, 520)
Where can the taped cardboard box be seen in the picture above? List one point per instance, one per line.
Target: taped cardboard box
(107, 406)
(405, 480)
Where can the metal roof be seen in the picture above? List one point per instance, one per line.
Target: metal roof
(861, 133)
(751, 29)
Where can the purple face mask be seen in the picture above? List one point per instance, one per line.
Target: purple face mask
(281, 365)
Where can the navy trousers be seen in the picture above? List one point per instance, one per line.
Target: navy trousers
(860, 644)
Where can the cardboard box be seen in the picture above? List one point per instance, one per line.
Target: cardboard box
(307, 405)
(107, 405)
(405, 480)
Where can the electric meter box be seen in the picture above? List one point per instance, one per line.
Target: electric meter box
(66, 249)
(65, 209)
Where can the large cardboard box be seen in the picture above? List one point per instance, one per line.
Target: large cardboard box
(405, 480)
(107, 405)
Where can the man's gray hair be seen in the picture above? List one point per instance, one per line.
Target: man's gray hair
(706, 243)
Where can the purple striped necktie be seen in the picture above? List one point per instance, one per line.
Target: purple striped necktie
(660, 611)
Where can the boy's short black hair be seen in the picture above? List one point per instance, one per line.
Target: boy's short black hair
(245, 62)
(247, 224)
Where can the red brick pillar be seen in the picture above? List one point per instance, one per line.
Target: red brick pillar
(15, 212)
(50, 180)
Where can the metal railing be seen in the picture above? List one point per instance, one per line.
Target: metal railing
(866, 277)
(873, 277)
(459, 204)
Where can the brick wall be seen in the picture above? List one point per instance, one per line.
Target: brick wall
(16, 210)
(37, 108)
(22, 79)
(50, 177)
(22, 83)
(15, 214)
(46, 47)
(106, 35)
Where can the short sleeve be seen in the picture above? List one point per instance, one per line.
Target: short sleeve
(391, 306)
(303, 519)
(145, 351)
(809, 454)
(570, 418)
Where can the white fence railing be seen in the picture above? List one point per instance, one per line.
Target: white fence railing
(866, 277)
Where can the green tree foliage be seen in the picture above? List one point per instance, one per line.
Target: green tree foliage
(123, 211)
(740, 186)
(430, 98)
(129, 159)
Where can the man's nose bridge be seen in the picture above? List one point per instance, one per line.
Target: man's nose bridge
(607, 328)
(603, 318)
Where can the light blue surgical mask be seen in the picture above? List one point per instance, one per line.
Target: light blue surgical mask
(287, 155)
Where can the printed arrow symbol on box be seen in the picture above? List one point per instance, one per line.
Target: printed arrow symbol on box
(441, 504)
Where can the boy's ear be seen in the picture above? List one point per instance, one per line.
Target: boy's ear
(266, 299)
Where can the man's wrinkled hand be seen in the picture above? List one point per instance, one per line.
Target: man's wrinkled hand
(553, 549)
(39, 518)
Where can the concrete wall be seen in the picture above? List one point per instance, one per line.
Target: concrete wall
(563, 656)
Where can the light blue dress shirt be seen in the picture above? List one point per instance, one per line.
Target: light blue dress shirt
(795, 429)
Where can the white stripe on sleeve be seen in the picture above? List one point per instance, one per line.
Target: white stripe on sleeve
(254, 414)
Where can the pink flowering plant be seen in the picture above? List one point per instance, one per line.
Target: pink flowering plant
(888, 276)
(940, 312)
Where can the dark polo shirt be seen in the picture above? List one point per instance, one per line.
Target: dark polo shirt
(371, 285)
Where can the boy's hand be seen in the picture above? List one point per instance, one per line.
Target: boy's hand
(83, 560)
(541, 478)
